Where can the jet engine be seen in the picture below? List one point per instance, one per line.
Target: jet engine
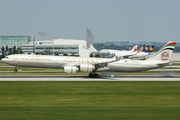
(87, 67)
(70, 69)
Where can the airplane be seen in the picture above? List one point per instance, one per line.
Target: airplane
(159, 59)
(141, 53)
(68, 63)
(75, 64)
(119, 53)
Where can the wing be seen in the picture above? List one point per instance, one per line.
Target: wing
(98, 64)
(101, 64)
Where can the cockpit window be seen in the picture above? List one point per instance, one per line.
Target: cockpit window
(7, 57)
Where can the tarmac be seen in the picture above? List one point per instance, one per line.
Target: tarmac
(168, 75)
(86, 78)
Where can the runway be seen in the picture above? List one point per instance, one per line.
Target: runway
(86, 78)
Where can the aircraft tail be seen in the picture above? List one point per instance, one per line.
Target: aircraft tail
(129, 48)
(145, 48)
(134, 48)
(164, 54)
(150, 49)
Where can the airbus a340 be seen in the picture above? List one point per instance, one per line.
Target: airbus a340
(75, 64)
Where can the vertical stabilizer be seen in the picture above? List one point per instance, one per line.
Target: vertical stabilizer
(145, 48)
(150, 49)
(164, 54)
(134, 48)
(89, 38)
(129, 48)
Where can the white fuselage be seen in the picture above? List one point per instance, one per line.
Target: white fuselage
(44, 61)
(141, 54)
(132, 65)
(118, 53)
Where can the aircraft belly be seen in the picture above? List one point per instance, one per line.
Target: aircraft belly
(11, 63)
(126, 68)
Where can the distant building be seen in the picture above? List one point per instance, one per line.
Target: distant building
(60, 47)
(17, 41)
(82, 48)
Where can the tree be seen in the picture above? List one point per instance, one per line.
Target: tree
(97, 56)
(7, 52)
(19, 51)
(10, 51)
(14, 50)
(65, 54)
(6, 48)
(2, 49)
(91, 55)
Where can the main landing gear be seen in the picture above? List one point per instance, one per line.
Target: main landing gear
(15, 69)
(93, 74)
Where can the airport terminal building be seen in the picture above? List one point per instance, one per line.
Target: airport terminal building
(30, 45)
(17, 40)
(59, 47)
(82, 48)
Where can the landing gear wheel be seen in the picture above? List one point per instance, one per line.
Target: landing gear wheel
(95, 75)
(90, 75)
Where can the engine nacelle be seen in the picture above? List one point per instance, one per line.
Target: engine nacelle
(87, 67)
(70, 69)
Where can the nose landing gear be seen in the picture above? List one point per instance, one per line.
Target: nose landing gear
(15, 71)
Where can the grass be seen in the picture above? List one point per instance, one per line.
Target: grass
(90, 100)
(176, 64)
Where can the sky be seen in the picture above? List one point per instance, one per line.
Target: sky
(108, 20)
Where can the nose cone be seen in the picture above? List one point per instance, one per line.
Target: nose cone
(2, 60)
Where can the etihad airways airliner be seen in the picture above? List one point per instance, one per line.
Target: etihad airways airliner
(75, 64)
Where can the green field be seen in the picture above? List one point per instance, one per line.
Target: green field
(90, 100)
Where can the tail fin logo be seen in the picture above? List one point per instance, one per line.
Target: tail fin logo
(139, 51)
(146, 48)
(151, 48)
(164, 56)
